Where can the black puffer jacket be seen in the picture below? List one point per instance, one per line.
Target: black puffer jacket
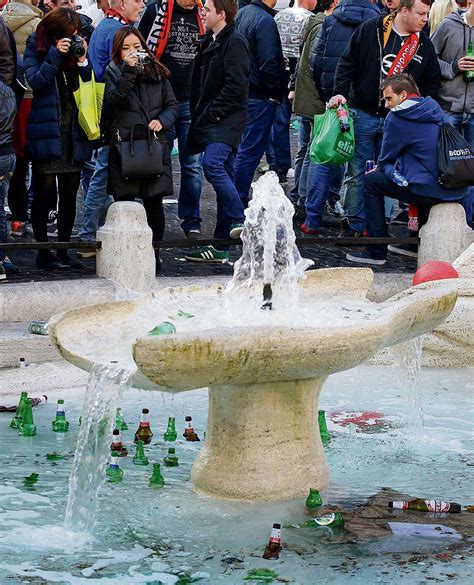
(128, 93)
(219, 90)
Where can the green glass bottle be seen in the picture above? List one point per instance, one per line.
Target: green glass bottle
(171, 460)
(18, 417)
(60, 424)
(314, 500)
(333, 520)
(469, 75)
(171, 434)
(164, 328)
(114, 472)
(119, 421)
(140, 458)
(30, 481)
(27, 427)
(323, 429)
(156, 479)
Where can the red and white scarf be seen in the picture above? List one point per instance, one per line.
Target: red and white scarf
(116, 15)
(407, 50)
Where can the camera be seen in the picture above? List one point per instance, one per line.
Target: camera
(76, 48)
(143, 57)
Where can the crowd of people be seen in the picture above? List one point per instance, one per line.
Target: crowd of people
(223, 80)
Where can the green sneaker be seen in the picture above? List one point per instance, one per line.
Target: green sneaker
(208, 254)
(235, 230)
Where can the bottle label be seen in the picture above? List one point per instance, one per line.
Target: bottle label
(275, 536)
(117, 444)
(325, 520)
(144, 423)
(60, 413)
(437, 506)
(400, 505)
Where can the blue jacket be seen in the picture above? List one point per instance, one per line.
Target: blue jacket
(43, 135)
(410, 145)
(333, 39)
(268, 78)
(100, 46)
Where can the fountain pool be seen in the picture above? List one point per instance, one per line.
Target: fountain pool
(175, 535)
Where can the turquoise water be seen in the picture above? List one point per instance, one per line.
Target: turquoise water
(173, 535)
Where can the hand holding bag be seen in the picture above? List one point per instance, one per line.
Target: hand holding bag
(141, 159)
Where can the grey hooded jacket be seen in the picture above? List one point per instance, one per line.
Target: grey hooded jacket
(450, 41)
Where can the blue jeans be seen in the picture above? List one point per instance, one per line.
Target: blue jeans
(304, 138)
(97, 200)
(321, 180)
(368, 131)
(252, 146)
(465, 124)
(279, 148)
(218, 166)
(7, 166)
(191, 171)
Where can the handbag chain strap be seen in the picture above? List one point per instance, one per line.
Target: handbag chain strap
(147, 116)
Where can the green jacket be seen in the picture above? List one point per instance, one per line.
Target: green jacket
(307, 101)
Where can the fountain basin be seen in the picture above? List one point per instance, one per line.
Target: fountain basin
(264, 369)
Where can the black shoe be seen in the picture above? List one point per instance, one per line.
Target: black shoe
(347, 231)
(49, 261)
(65, 258)
(300, 212)
(193, 234)
(401, 218)
(365, 258)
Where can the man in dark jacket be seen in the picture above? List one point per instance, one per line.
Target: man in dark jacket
(219, 96)
(266, 87)
(409, 154)
(380, 47)
(172, 29)
(7, 57)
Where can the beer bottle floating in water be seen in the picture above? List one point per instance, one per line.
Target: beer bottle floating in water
(27, 427)
(156, 479)
(333, 520)
(60, 424)
(140, 458)
(30, 480)
(18, 417)
(144, 432)
(313, 501)
(117, 444)
(171, 434)
(164, 328)
(420, 505)
(171, 460)
(119, 421)
(273, 548)
(323, 429)
(189, 433)
(114, 472)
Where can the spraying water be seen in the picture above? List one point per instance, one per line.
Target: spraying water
(407, 365)
(105, 385)
(271, 265)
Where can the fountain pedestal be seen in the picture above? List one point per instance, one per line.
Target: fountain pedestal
(270, 433)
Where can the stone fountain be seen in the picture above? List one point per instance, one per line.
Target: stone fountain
(264, 368)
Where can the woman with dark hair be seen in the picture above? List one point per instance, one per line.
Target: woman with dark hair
(139, 92)
(55, 57)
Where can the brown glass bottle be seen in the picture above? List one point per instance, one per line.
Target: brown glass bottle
(273, 548)
(144, 432)
(189, 433)
(117, 444)
(420, 505)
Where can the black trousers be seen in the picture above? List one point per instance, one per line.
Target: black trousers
(18, 192)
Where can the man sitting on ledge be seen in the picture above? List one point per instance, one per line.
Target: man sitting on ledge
(407, 168)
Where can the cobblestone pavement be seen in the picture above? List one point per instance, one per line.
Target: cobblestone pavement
(173, 259)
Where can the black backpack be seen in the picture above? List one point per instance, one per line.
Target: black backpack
(455, 159)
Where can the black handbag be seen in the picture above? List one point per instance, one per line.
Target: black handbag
(142, 159)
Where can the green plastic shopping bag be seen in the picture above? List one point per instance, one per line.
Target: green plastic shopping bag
(330, 146)
(89, 99)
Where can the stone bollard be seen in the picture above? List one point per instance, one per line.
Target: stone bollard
(446, 234)
(127, 256)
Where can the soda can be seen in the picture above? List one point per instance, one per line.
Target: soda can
(369, 166)
(38, 327)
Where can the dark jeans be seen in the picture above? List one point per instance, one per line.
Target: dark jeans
(46, 197)
(155, 214)
(376, 186)
(18, 191)
(191, 171)
(322, 179)
(301, 173)
(218, 166)
(279, 148)
(252, 146)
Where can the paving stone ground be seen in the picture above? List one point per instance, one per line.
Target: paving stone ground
(173, 259)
